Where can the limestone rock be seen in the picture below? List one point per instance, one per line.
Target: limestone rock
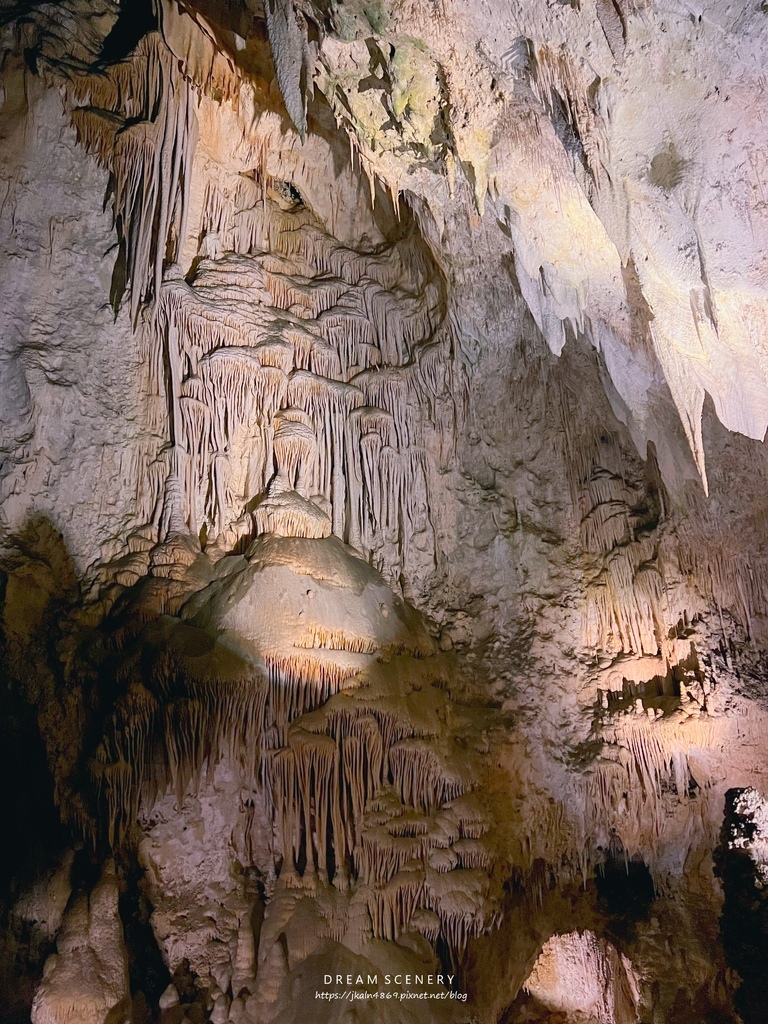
(382, 506)
(86, 980)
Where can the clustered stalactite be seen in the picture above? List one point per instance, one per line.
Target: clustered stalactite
(139, 118)
(640, 778)
(276, 324)
(729, 577)
(313, 311)
(292, 347)
(617, 526)
(366, 789)
(292, 376)
(296, 372)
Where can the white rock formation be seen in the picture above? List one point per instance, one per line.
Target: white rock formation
(86, 980)
(314, 315)
(586, 979)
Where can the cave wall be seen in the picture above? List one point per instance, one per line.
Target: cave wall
(416, 312)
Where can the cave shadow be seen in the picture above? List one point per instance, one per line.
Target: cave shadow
(44, 709)
(38, 585)
(135, 19)
(613, 904)
(744, 917)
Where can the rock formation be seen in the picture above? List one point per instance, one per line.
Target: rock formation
(382, 511)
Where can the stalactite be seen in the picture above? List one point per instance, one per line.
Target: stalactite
(420, 776)
(321, 638)
(720, 570)
(314, 760)
(139, 118)
(296, 452)
(347, 764)
(392, 906)
(277, 353)
(557, 77)
(459, 898)
(393, 389)
(624, 587)
(302, 681)
(347, 330)
(427, 922)
(329, 403)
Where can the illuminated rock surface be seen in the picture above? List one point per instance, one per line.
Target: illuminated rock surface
(382, 511)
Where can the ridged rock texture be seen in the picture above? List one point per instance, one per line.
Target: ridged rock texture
(383, 503)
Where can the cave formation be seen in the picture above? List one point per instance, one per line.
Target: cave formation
(382, 511)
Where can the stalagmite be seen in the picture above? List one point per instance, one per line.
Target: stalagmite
(86, 980)
(285, 513)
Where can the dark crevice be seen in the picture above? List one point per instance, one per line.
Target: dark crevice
(135, 20)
